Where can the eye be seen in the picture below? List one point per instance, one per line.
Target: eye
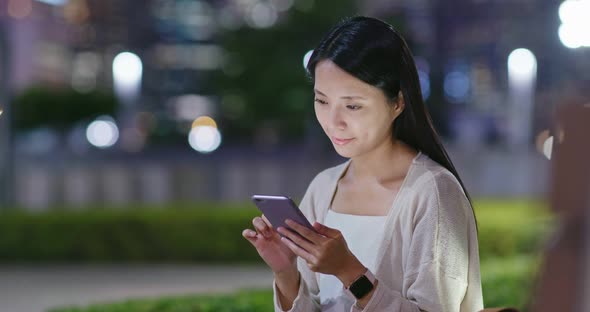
(353, 107)
(320, 101)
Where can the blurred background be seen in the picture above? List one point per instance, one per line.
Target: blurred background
(132, 129)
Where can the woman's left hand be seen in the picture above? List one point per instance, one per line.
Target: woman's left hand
(325, 250)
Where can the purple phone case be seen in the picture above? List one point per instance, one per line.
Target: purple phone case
(279, 208)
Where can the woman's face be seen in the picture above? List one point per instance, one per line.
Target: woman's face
(356, 116)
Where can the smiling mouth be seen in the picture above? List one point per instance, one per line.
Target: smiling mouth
(341, 141)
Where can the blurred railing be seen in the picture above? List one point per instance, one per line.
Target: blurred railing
(234, 175)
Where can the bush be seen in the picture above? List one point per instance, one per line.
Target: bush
(506, 282)
(244, 301)
(175, 235)
(60, 108)
(210, 233)
(510, 236)
(509, 227)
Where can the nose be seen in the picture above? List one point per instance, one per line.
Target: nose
(336, 119)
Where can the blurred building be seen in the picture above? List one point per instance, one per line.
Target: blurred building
(461, 51)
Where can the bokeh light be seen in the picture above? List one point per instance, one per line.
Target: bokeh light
(262, 15)
(456, 86)
(204, 139)
(522, 65)
(102, 132)
(573, 32)
(548, 147)
(306, 58)
(424, 84)
(204, 121)
(127, 68)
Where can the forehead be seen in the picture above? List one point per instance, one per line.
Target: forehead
(333, 80)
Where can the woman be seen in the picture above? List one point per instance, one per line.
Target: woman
(395, 230)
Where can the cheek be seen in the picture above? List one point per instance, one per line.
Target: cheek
(374, 128)
(320, 115)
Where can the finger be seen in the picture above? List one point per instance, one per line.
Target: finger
(326, 231)
(261, 227)
(266, 221)
(250, 235)
(309, 258)
(298, 239)
(304, 231)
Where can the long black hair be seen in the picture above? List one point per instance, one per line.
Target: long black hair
(374, 52)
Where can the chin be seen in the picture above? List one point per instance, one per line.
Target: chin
(345, 152)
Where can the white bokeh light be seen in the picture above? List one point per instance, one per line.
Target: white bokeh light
(204, 139)
(522, 65)
(262, 15)
(572, 37)
(548, 147)
(102, 132)
(573, 32)
(127, 72)
(306, 58)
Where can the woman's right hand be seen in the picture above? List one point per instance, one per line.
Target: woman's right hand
(271, 249)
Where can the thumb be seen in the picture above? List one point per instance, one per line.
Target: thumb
(326, 231)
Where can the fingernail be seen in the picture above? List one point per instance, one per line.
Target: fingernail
(288, 221)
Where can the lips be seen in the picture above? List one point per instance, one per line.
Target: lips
(338, 141)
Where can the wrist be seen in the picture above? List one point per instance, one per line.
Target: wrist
(351, 272)
(287, 275)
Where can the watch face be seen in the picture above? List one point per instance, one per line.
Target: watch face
(361, 287)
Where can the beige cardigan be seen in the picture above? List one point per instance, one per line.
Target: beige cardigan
(429, 259)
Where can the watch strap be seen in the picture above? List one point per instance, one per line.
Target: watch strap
(361, 286)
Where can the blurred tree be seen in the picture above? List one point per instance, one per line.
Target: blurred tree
(59, 108)
(263, 86)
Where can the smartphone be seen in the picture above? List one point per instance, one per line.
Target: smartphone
(279, 208)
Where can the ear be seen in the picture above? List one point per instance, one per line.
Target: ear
(399, 105)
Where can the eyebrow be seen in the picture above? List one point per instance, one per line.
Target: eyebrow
(347, 97)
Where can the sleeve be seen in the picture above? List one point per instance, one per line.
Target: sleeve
(307, 299)
(436, 264)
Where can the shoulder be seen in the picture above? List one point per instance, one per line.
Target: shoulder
(329, 176)
(435, 191)
(428, 176)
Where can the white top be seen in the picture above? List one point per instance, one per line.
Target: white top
(428, 258)
(363, 235)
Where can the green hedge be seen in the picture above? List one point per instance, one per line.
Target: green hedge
(509, 227)
(205, 233)
(244, 301)
(505, 282)
(511, 234)
(210, 233)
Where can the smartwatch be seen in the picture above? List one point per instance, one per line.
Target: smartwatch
(361, 286)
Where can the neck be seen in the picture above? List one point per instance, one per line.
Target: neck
(388, 160)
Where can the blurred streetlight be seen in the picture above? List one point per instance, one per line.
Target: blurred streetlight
(204, 137)
(127, 75)
(102, 132)
(127, 72)
(522, 76)
(573, 32)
